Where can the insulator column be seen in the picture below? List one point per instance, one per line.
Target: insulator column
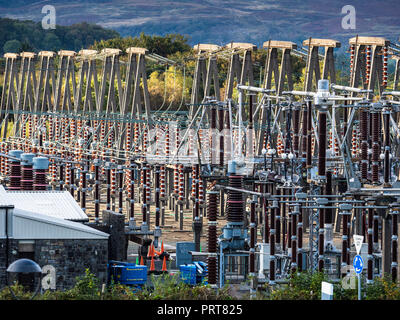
(296, 130)
(72, 188)
(370, 262)
(375, 146)
(272, 262)
(322, 143)
(321, 241)
(394, 213)
(132, 192)
(277, 218)
(83, 181)
(364, 143)
(61, 175)
(108, 185)
(157, 195)
(253, 233)
(96, 190)
(368, 64)
(386, 166)
(120, 188)
(304, 132)
(300, 240)
(266, 231)
(181, 193)
(15, 170)
(144, 196)
(294, 215)
(221, 137)
(40, 166)
(309, 134)
(385, 66)
(212, 237)
(235, 203)
(345, 213)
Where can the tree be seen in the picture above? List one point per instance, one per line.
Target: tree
(13, 46)
(51, 42)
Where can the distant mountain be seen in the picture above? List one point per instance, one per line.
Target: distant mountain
(222, 21)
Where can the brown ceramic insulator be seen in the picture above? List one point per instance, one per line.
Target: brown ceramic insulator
(364, 143)
(212, 239)
(108, 179)
(61, 175)
(212, 204)
(304, 133)
(309, 134)
(15, 175)
(83, 189)
(385, 66)
(235, 203)
(328, 191)
(368, 64)
(212, 270)
(132, 190)
(272, 240)
(266, 188)
(375, 147)
(96, 190)
(370, 244)
(322, 144)
(181, 192)
(352, 51)
(157, 194)
(120, 189)
(221, 138)
(277, 219)
(386, 166)
(72, 186)
(162, 182)
(40, 181)
(144, 199)
(296, 128)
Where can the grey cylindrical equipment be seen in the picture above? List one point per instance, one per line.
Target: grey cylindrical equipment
(27, 171)
(40, 166)
(15, 169)
(231, 167)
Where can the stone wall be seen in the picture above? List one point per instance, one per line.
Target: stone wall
(69, 257)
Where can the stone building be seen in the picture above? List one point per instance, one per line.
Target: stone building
(66, 247)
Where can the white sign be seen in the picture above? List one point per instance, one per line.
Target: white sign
(49, 280)
(326, 291)
(358, 241)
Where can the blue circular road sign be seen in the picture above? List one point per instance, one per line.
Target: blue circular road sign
(358, 264)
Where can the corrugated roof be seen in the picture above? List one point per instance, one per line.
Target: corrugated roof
(58, 204)
(31, 225)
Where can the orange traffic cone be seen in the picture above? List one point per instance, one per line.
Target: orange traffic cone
(150, 253)
(164, 265)
(141, 261)
(159, 253)
(162, 247)
(152, 267)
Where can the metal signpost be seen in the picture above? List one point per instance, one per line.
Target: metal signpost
(358, 262)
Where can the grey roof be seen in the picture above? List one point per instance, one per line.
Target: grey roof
(58, 204)
(31, 225)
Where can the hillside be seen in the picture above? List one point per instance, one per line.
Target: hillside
(221, 21)
(18, 36)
